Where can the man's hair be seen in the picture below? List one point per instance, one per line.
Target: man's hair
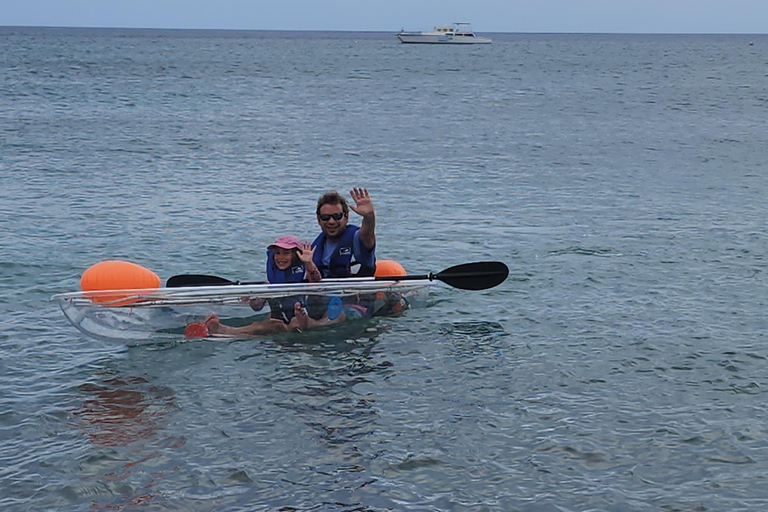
(333, 197)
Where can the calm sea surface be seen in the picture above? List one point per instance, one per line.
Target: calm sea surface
(622, 366)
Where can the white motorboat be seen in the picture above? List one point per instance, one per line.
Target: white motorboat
(458, 33)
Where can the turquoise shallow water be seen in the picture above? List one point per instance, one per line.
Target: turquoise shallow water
(622, 179)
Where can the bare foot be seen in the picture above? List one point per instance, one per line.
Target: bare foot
(213, 324)
(301, 316)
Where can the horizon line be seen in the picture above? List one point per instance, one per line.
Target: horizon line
(369, 31)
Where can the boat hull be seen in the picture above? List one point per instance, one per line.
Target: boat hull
(137, 317)
(406, 38)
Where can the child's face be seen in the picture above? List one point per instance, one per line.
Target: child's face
(283, 257)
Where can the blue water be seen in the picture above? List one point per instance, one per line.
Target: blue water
(622, 366)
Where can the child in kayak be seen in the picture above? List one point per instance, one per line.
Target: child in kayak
(288, 261)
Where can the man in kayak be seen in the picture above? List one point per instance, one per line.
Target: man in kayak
(342, 249)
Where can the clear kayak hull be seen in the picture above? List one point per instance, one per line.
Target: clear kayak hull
(134, 317)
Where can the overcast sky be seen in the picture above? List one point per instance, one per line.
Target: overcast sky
(623, 16)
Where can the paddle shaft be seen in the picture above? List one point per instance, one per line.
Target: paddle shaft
(430, 277)
(467, 276)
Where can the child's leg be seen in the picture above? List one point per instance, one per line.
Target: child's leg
(301, 320)
(325, 321)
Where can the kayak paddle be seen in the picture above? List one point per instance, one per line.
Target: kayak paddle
(480, 275)
(467, 276)
(197, 280)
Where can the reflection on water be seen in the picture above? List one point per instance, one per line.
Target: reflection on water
(119, 411)
(320, 389)
(309, 415)
(123, 418)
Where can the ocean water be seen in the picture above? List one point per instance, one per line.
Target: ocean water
(622, 366)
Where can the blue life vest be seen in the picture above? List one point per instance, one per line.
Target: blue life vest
(293, 274)
(342, 263)
(283, 308)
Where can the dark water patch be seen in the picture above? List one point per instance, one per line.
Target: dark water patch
(582, 251)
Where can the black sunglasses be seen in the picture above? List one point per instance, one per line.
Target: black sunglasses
(325, 217)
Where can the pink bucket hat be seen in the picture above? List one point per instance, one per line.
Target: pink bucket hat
(286, 242)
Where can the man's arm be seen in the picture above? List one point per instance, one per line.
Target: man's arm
(364, 207)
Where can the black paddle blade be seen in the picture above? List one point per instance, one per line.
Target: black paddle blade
(196, 280)
(474, 276)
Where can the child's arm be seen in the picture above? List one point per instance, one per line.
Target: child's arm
(313, 273)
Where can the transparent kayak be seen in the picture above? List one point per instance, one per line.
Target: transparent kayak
(140, 316)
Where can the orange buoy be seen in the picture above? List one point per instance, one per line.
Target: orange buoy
(387, 268)
(116, 275)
